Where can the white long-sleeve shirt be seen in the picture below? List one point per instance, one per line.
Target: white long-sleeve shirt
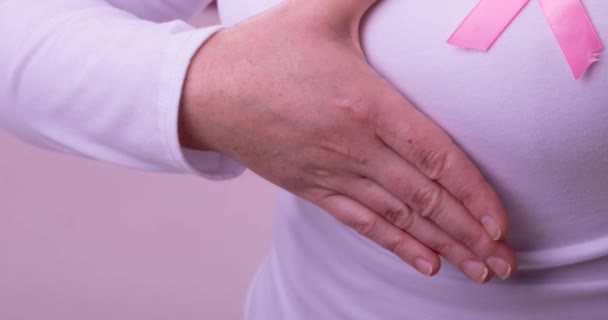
(85, 77)
(103, 79)
(538, 135)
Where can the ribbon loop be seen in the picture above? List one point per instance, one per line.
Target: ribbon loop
(574, 31)
(568, 20)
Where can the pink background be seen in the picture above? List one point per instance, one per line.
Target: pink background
(85, 240)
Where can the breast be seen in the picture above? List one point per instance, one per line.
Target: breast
(539, 136)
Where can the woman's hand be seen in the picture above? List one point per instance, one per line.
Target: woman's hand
(290, 95)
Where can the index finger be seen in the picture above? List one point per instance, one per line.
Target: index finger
(432, 151)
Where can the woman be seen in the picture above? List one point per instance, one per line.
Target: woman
(514, 111)
(537, 134)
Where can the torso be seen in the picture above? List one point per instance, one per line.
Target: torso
(539, 136)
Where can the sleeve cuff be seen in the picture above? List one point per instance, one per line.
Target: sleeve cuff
(178, 54)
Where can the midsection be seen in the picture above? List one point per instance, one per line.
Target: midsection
(538, 135)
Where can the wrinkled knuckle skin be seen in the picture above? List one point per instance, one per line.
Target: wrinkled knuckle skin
(365, 225)
(433, 163)
(394, 245)
(391, 214)
(400, 216)
(427, 201)
(357, 109)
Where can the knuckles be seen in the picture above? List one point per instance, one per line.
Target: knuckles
(356, 108)
(400, 216)
(433, 162)
(395, 244)
(363, 224)
(428, 201)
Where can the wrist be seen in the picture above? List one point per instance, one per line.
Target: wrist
(196, 117)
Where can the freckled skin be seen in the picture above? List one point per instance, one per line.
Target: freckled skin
(290, 95)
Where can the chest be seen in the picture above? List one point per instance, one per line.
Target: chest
(517, 98)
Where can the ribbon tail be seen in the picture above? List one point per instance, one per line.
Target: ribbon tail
(485, 23)
(575, 33)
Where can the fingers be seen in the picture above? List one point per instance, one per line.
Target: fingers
(372, 226)
(382, 202)
(458, 255)
(433, 152)
(431, 201)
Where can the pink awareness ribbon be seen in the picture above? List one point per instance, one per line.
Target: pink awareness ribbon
(568, 19)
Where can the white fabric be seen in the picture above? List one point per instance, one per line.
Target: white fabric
(88, 78)
(538, 135)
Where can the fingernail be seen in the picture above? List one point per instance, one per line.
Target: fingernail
(424, 267)
(476, 271)
(491, 227)
(500, 267)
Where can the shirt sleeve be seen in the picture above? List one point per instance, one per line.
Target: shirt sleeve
(162, 10)
(87, 78)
